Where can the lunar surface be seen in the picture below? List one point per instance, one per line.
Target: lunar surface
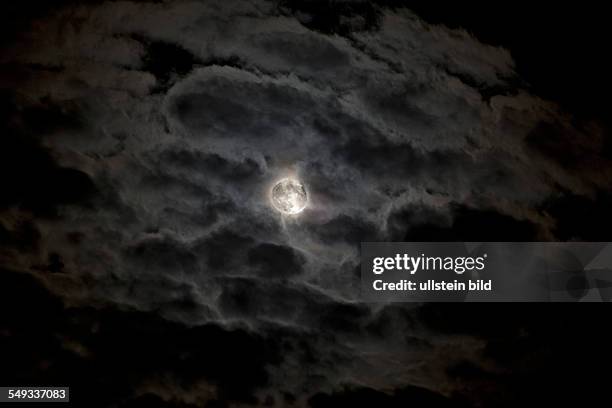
(289, 196)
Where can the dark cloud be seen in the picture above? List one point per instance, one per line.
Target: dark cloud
(221, 250)
(29, 175)
(303, 50)
(213, 165)
(161, 255)
(24, 236)
(140, 141)
(329, 17)
(579, 217)
(366, 397)
(460, 223)
(566, 146)
(123, 350)
(272, 260)
(345, 229)
(166, 61)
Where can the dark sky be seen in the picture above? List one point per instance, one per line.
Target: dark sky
(141, 261)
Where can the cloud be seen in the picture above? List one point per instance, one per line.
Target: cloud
(142, 141)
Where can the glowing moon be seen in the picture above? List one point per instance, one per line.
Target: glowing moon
(289, 196)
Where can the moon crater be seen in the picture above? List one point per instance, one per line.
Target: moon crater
(289, 196)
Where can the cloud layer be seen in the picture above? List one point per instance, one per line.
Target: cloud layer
(142, 141)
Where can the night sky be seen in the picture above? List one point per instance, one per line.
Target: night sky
(142, 264)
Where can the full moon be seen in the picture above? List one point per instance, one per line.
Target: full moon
(289, 196)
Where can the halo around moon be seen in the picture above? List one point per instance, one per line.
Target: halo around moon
(289, 196)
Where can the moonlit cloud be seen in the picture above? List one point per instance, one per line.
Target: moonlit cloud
(164, 125)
